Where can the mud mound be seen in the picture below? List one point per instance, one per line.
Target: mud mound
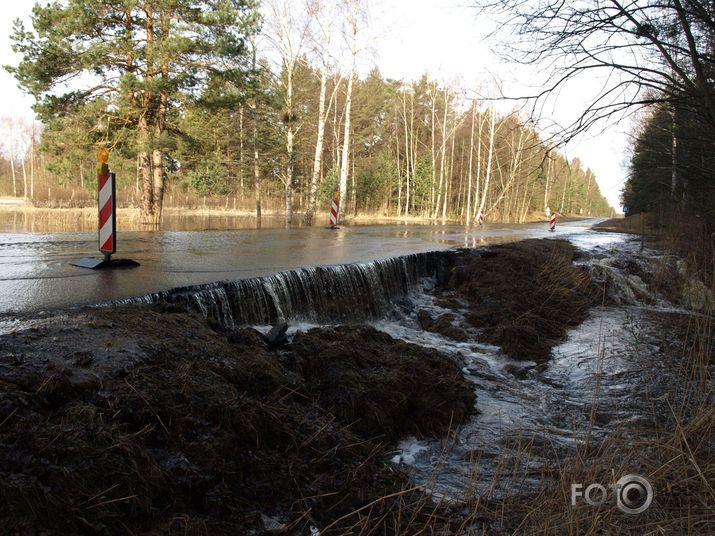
(443, 324)
(522, 296)
(146, 420)
(379, 386)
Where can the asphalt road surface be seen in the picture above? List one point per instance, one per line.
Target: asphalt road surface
(36, 275)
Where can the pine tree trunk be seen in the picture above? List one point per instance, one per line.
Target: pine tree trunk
(256, 172)
(241, 170)
(157, 161)
(147, 192)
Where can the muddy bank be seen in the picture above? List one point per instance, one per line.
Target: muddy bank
(147, 419)
(523, 297)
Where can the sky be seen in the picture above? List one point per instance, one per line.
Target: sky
(445, 38)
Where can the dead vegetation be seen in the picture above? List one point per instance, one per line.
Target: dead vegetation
(184, 432)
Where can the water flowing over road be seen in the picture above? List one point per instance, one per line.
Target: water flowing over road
(36, 275)
(528, 415)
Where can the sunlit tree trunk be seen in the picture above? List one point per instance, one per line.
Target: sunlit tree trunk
(32, 161)
(477, 194)
(145, 173)
(348, 103)
(433, 98)
(413, 146)
(547, 188)
(468, 219)
(490, 154)
(256, 171)
(407, 153)
(241, 169)
(443, 157)
(399, 172)
(448, 183)
(24, 180)
(14, 178)
(317, 158)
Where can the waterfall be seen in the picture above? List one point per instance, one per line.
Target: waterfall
(335, 293)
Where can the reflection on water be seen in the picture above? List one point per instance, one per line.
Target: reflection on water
(79, 220)
(14, 220)
(35, 270)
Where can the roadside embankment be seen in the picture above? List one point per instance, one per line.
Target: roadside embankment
(138, 419)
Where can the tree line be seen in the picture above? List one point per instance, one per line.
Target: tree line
(657, 64)
(233, 98)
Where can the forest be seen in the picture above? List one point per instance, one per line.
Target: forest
(656, 61)
(265, 108)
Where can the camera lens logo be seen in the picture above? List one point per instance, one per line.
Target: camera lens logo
(633, 494)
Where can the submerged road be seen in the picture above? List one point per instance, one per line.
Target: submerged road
(36, 275)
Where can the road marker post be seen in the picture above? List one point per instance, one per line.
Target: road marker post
(334, 210)
(552, 222)
(107, 215)
(480, 218)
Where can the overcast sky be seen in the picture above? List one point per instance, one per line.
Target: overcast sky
(443, 38)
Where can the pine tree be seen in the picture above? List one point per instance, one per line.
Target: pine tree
(143, 56)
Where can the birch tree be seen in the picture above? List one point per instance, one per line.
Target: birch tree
(353, 8)
(287, 28)
(322, 37)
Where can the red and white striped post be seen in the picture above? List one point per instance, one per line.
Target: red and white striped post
(334, 210)
(480, 218)
(107, 228)
(107, 202)
(552, 222)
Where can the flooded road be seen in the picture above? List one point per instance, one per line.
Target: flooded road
(36, 275)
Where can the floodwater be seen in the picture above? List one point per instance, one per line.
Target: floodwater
(528, 416)
(36, 275)
(600, 380)
(40, 220)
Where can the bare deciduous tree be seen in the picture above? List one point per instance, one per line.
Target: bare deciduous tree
(646, 52)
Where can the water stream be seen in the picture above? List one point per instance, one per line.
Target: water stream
(527, 415)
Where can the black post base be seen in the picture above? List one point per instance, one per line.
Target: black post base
(99, 264)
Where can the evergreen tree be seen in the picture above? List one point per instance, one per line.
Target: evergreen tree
(142, 56)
